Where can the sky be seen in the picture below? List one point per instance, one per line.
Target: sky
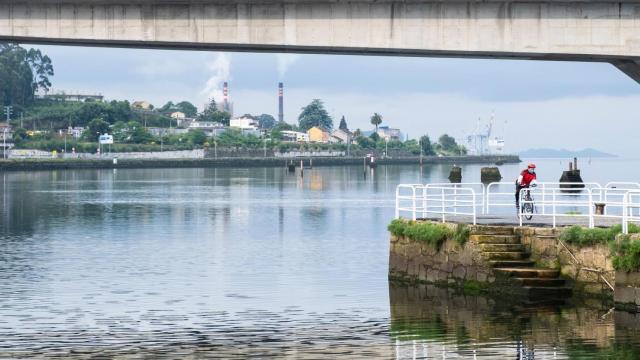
(535, 104)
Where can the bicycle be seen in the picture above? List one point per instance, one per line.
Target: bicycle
(527, 207)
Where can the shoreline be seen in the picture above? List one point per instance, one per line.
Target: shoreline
(239, 162)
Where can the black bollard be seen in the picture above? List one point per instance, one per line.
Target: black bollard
(572, 176)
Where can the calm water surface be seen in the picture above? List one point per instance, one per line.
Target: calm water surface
(255, 262)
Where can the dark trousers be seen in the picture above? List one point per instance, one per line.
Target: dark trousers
(518, 188)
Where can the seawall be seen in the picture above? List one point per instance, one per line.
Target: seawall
(54, 164)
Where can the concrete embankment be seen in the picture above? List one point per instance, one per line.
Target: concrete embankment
(53, 164)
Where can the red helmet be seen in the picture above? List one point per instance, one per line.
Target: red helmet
(531, 166)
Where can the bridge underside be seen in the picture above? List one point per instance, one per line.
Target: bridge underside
(556, 30)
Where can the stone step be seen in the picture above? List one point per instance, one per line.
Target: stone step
(505, 255)
(491, 230)
(502, 247)
(495, 239)
(541, 282)
(528, 272)
(547, 292)
(511, 264)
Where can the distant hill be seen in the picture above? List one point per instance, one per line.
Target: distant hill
(563, 153)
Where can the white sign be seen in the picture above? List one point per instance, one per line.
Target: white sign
(106, 139)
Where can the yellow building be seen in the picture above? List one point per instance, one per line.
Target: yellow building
(317, 134)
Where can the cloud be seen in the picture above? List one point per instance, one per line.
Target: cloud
(221, 69)
(161, 67)
(284, 62)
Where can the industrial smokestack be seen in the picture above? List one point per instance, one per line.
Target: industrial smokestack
(225, 94)
(280, 103)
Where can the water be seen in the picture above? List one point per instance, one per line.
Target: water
(253, 262)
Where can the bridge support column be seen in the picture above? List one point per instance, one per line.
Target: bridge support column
(629, 67)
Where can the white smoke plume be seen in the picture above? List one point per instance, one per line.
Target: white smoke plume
(221, 69)
(284, 62)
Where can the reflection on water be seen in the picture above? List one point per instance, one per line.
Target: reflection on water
(432, 322)
(237, 262)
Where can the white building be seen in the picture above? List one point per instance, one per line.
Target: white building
(210, 128)
(388, 133)
(243, 123)
(178, 115)
(75, 132)
(294, 136)
(157, 131)
(6, 137)
(343, 136)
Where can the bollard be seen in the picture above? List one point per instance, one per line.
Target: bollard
(572, 177)
(455, 175)
(490, 174)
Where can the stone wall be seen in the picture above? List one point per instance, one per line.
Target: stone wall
(417, 261)
(546, 250)
(627, 291)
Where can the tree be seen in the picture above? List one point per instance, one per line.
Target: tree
(266, 121)
(95, 128)
(169, 106)
(22, 73)
(448, 143)
(374, 136)
(212, 114)
(376, 120)
(343, 124)
(425, 145)
(187, 108)
(314, 114)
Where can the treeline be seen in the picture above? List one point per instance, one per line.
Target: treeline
(22, 73)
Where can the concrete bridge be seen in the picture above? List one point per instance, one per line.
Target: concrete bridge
(604, 30)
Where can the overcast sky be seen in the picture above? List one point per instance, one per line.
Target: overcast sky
(536, 103)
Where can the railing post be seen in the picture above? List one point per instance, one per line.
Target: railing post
(442, 199)
(591, 220)
(543, 202)
(553, 207)
(398, 202)
(413, 203)
(455, 200)
(473, 196)
(484, 190)
(424, 202)
(625, 220)
(520, 208)
(485, 209)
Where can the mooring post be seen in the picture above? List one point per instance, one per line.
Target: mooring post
(301, 168)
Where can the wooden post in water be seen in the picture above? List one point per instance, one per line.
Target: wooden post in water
(301, 168)
(310, 163)
(364, 166)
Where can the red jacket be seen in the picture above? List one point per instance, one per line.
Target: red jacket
(526, 178)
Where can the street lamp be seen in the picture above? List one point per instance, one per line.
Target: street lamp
(4, 143)
(386, 147)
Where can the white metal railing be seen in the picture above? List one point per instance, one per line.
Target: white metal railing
(497, 198)
(478, 187)
(553, 200)
(557, 202)
(431, 199)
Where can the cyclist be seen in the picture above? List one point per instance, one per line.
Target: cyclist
(527, 178)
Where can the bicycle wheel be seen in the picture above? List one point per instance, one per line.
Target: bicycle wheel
(527, 210)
